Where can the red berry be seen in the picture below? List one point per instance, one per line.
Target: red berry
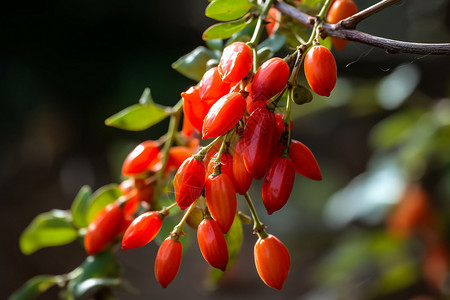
(235, 63)
(272, 261)
(259, 138)
(221, 200)
(339, 10)
(142, 230)
(320, 70)
(304, 161)
(212, 244)
(226, 165)
(212, 87)
(223, 115)
(242, 178)
(278, 184)
(138, 160)
(192, 107)
(273, 20)
(189, 181)
(168, 261)
(270, 79)
(103, 228)
(281, 127)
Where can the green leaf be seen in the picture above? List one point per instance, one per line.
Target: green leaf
(33, 287)
(227, 10)
(275, 42)
(80, 206)
(244, 35)
(193, 64)
(138, 117)
(215, 45)
(92, 283)
(103, 196)
(146, 97)
(223, 30)
(53, 228)
(325, 42)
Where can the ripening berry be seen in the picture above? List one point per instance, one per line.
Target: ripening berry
(270, 79)
(278, 184)
(226, 165)
(272, 261)
(259, 138)
(212, 244)
(235, 63)
(168, 261)
(273, 20)
(320, 70)
(223, 115)
(221, 200)
(189, 181)
(103, 228)
(304, 161)
(139, 159)
(242, 178)
(192, 107)
(339, 10)
(212, 87)
(142, 230)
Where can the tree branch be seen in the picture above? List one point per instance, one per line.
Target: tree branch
(351, 22)
(338, 30)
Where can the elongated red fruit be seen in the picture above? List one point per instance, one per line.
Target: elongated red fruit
(168, 261)
(212, 87)
(138, 160)
(235, 63)
(192, 107)
(259, 138)
(278, 184)
(320, 70)
(212, 244)
(304, 161)
(226, 165)
(339, 10)
(142, 230)
(223, 115)
(242, 178)
(189, 181)
(221, 200)
(103, 228)
(272, 261)
(270, 79)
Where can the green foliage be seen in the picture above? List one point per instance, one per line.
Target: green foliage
(33, 287)
(224, 30)
(53, 228)
(103, 196)
(80, 206)
(193, 64)
(227, 10)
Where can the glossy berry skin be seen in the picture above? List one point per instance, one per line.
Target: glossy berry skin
(272, 261)
(168, 261)
(212, 87)
(270, 79)
(138, 160)
(235, 63)
(221, 200)
(320, 70)
(142, 230)
(189, 181)
(339, 10)
(212, 244)
(273, 20)
(281, 127)
(278, 184)
(223, 115)
(304, 161)
(242, 178)
(103, 228)
(259, 138)
(193, 107)
(226, 165)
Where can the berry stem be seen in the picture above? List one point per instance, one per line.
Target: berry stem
(166, 209)
(258, 227)
(201, 154)
(178, 229)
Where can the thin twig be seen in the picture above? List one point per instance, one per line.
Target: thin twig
(337, 30)
(351, 22)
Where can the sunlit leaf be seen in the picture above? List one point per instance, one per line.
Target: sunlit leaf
(326, 42)
(53, 228)
(244, 35)
(33, 287)
(223, 30)
(90, 284)
(138, 117)
(227, 10)
(102, 197)
(193, 64)
(215, 45)
(80, 206)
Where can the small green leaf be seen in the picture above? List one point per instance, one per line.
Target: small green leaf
(325, 42)
(223, 30)
(227, 10)
(264, 54)
(244, 35)
(80, 206)
(146, 97)
(193, 64)
(275, 42)
(92, 283)
(33, 287)
(53, 228)
(300, 94)
(215, 45)
(138, 117)
(102, 197)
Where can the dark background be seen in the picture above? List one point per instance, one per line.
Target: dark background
(65, 66)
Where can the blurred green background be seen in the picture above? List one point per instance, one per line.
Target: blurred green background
(65, 66)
